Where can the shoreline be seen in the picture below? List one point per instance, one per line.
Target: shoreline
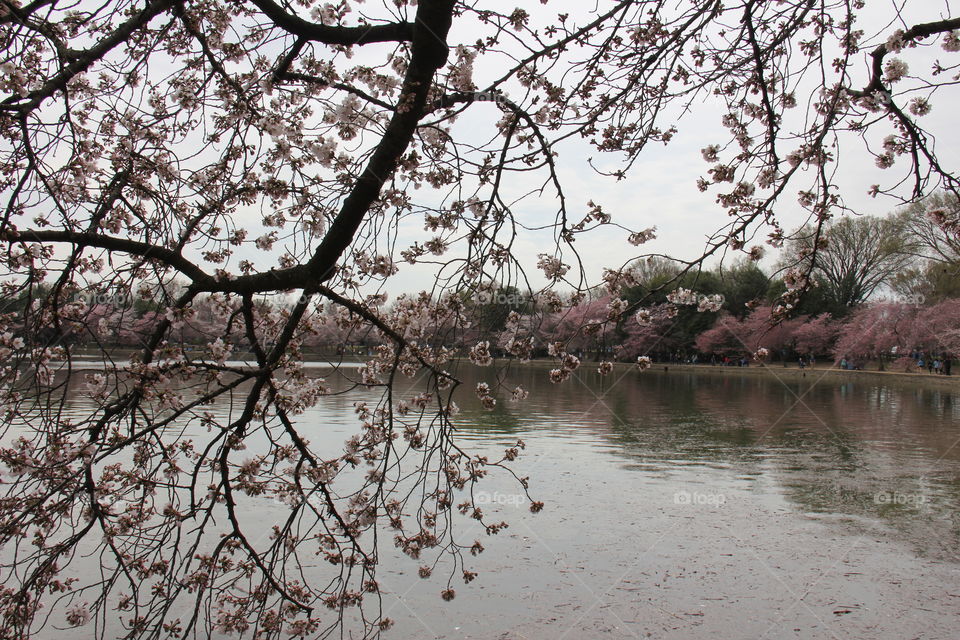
(790, 372)
(815, 374)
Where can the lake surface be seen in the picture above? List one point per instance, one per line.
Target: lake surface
(689, 504)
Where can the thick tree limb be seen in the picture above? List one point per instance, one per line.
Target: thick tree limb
(132, 247)
(393, 32)
(915, 32)
(429, 54)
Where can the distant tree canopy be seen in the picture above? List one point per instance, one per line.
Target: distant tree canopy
(934, 226)
(854, 257)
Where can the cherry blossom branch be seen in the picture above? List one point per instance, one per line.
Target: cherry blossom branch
(124, 245)
(326, 34)
(916, 32)
(84, 60)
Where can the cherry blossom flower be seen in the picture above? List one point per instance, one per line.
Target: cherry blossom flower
(78, 615)
(894, 70)
(480, 354)
(710, 152)
(642, 237)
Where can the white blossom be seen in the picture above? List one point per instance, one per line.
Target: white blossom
(894, 70)
(552, 267)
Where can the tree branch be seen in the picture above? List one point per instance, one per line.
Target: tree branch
(429, 54)
(915, 32)
(86, 58)
(393, 32)
(132, 247)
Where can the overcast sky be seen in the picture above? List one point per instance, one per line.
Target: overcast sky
(660, 190)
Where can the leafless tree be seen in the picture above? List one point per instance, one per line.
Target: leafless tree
(856, 257)
(934, 224)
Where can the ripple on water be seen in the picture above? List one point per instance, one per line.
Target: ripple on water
(878, 462)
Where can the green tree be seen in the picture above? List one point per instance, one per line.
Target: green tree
(815, 301)
(741, 283)
(657, 280)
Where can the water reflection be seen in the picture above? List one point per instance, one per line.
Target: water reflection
(609, 455)
(863, 453)
(868, 451)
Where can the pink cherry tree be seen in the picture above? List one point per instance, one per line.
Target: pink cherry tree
(248, 171)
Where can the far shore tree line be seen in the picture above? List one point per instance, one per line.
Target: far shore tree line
(884, 290)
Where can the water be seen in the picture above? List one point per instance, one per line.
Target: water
(714, 504)
(689, 504)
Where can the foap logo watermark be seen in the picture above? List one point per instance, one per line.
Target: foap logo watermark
(511, 299)
(508, 499)
(119, 299)
(900, 499)
(699, 498)
(491, 96)
(914, 299)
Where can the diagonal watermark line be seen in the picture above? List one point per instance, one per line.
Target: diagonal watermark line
(798, 398)
(800, 599)
(798, 401)
(599, 599)
(946, 350)
(600, 400)
(400, 600)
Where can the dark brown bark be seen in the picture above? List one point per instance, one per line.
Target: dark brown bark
(395, 32)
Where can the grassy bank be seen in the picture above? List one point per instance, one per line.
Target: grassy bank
(825, 373)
